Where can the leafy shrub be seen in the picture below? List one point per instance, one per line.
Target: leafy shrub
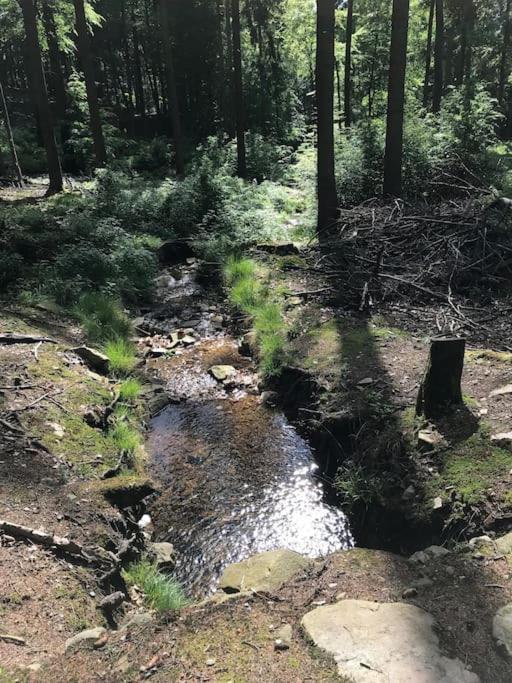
(121, 356)
(102, 318)
(161, 592)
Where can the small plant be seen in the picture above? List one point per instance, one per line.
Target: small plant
(125, 437)
(238, 269)
(246, 295)
(102, 318)
(121, 356)
(129, 390)
(162, 593)
(357, 486)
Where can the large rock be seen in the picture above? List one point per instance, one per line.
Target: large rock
(383, 642)
(86, 639)
(163, 554)
(265, 572)
(93, 359)
(502, 628)
(222, 372)
(504, 544)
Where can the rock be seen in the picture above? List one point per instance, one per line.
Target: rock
(139, 619)
(502, 439)
(379, 643)
(211, 661)
(437, 503)
(174, 251)
(163, 554)
(86, 639)
(92, 358)
(480, 541)
(283, 639)
(265, 572)
(157, 352)
(365, 382)
(504, 544)
(222, 372)
(409, 493)
(430, 438)
(409, 593)
(501, 391)
(502, 629)
(430, 553)
(144, 522)
(270, 398)
(111, 602)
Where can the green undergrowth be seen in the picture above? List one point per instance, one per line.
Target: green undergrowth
(102, 318)
(121, 357)
(130, 390)
(248, 294)
(161, 592)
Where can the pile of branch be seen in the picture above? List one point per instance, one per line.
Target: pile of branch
(382, 253)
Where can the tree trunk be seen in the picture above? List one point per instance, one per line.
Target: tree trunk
(338, 92)
(468, 19)
(396, 95)
(504, 54)
(39, 85)
(84, 50)
(441, 385)
(428, 59)
(58, 82)
(172, 92)
(326, 181)
(438, 58)
(238, 90)
(10, 139)
(348, 64)
(140, 105)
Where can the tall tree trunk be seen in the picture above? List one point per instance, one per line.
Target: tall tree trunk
(396, 96)
(86, 58)
(172, 91)
(468, 19)
(326, 189)
(57, 82)
(238, 90)
(348, 64)
(39, 85)
(438, 58)
(428, 58)
(140, 105)
(10, 139)
(505, 50)
(229, 66)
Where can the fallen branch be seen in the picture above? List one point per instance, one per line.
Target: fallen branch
(9, 338)
(11, 427)
(8, 638)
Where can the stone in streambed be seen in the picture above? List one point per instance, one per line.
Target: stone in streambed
(87, 639)
(382, 642)
(222, 372)
(163, 554)
(265, 572)
(92, 358)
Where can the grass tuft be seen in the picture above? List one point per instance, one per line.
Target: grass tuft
(129, 390)
(125, 437)
(162, 593)
(237, 269)
(102, 318)
(246, 295)
(121, 356)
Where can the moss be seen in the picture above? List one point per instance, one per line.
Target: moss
(291, 261)
(489, 355)
(471, 468)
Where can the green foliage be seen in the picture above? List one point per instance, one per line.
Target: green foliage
(161, 593)
(129, 390)
(102, 318)
(121, 357)
(246, 295)
(238, 269)
(125, 437)
(356, 485)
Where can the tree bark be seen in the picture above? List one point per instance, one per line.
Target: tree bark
(428, 58)
(438, 58)
(396, 96)
(238, 90)
(140, 105)
(441, 385)
(10, 139)
(172, 92)
(348, 64)
(326, 181)
(39, 86)
(57, 81)
(84, 50)
(465, 61)
(505, 50)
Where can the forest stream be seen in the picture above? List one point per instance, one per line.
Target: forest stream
(236, 477)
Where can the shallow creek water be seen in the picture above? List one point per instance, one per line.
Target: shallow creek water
(236, 478)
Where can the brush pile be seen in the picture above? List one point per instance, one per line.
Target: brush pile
(458, 252)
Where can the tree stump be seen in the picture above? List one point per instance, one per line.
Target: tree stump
(441, 385)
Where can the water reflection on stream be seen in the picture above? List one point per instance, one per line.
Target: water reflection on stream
(237, 479)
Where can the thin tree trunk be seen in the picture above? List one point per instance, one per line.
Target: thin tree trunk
(465, 61)
(10, 139)
(396, 96)
(428, 59)
(140, 106)
(438, 58)
(84, 50)
(348, 64)
(39, 86)
(327, 197)
(172, 91)
(58, 82)
(371, 80)
(338, 92)
(504, 54)
(238, 90)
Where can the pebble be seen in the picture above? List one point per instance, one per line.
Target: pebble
(211, 661)
(409, 593)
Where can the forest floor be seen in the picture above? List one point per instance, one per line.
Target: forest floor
(360, 369)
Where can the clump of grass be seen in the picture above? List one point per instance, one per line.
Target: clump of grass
(271, 337)
(237, 269)
(246, 295)
(161, 593)
(125, 437)
(129, 390)
(121, 356)
(102, 318)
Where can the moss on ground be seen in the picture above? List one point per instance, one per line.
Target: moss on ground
(489, 355)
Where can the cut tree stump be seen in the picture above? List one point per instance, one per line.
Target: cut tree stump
(441, 385)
